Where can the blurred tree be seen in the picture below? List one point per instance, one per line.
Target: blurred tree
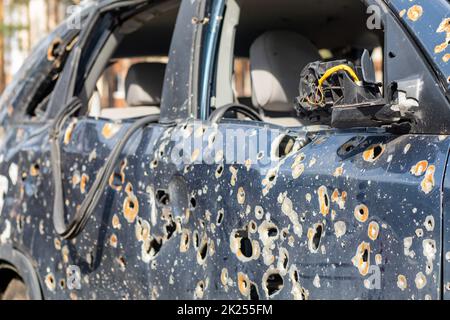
(22, 24)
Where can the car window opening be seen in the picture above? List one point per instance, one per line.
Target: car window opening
(272, 48)
(130, 86)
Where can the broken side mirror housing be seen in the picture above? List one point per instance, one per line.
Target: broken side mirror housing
(342, 95)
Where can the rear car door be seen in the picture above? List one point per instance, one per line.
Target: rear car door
(115, 254)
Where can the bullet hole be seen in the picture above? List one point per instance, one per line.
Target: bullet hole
(243, 246)
(122, 262)
(113, 241)
(402, 283)
(350, 146)
(35, 170)
(285, 261)
(129, 188)
(116, 222)
(196, 240)
(392, 55)
(152, 247)
(272, 283)
(117, 178)
(219, 171)
(415, 12)
(50, 282)
(170, 227)
(184, 242)
(220, 216)
(142, 229)
(429, 223)
(315, 235)
(224, 278)
(268, 232)
(243, 284)
(162, 197)
(373, 230)
(202, 251)
(69, 131)
(83, 182)
(131, 208)
(282, 146)
(154, 164)
(241, 195)
(373, 152)
(377, 151)
(246, 247)
(361, 213)
(259, 212)
(295, 275)
(254, 295)
(193, 203)
(340, 199)
(252, 227)
(428, 182)
(324, 202)
(199, 290)
(62, 284)
(52, 51)
(420, 168)
(272, 232)
(420, 280)
(361, 260)
(212, 139)
(365, 255)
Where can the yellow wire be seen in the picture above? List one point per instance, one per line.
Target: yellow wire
(341, 67)
(328, 73)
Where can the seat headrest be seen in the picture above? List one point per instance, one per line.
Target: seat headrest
(144, 83)
(276, 60)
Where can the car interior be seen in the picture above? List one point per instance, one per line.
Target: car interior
(273, 43)
(279, 41)
(130, 85)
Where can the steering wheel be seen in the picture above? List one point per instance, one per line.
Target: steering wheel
(219, 113)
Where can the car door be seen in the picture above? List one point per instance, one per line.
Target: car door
(316, 213)
(114, 254)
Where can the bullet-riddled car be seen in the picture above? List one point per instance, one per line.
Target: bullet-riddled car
(264, 150)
